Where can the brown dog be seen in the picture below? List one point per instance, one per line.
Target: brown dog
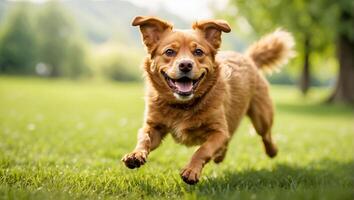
(200, 95)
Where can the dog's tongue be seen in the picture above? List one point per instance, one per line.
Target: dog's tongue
(184, 86)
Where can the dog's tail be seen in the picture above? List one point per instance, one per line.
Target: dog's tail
(272, 51)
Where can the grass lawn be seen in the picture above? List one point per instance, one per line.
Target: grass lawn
(61, 140)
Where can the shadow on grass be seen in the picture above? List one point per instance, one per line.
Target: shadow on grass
(324, 179)
(320, 179)
(318, 109)
(317, 176)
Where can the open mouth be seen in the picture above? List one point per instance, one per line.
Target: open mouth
(183, 86)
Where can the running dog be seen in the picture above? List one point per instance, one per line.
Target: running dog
(199, 94)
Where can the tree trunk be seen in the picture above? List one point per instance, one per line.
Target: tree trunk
(54, 71)
(305, 76)
(344, 90)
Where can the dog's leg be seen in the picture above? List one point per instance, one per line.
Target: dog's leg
(149, 139)
(261, 114)
(220, 155)
(215, 142)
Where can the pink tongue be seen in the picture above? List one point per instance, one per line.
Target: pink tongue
(184, 86)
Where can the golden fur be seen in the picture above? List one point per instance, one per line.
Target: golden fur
(226, 87)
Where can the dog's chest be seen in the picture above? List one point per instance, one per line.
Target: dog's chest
(189, 134)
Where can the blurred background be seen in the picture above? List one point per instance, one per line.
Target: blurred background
(94, 39)
(71, 102)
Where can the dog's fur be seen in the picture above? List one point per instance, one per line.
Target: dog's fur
(230, 85)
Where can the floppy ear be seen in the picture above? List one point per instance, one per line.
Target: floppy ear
(151, 29)
(212, 30)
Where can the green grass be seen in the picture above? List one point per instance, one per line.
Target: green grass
(62, 139)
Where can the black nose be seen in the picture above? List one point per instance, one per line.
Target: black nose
(185, 66)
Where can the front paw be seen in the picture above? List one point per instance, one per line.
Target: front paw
(190, 175)
(135, 159)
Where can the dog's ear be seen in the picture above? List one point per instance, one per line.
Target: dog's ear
(212, 30)
(151, 29)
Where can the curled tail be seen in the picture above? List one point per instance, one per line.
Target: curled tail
(272, 51)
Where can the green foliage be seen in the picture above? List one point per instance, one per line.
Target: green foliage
(53, 41)
(73, 152)
(76, 63)
(117, 68)
(319, 21)
(18, 47)
(118, 63)
(284, 78)
(60, 47)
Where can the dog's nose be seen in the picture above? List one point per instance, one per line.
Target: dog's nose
(185, 66)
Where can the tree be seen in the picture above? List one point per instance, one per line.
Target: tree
(75, 64)
(344, 91)
(18, 47)
(317, 25)
(60, 45)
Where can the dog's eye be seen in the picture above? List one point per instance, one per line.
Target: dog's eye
(170, 52)
(198, 52)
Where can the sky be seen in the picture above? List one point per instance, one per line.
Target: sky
(189, 10)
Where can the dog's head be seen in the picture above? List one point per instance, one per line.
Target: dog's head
(182, 62)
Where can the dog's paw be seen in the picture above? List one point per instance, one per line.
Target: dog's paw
(190, 175)
(135, 159)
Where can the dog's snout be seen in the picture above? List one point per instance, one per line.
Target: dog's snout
(185, 66)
